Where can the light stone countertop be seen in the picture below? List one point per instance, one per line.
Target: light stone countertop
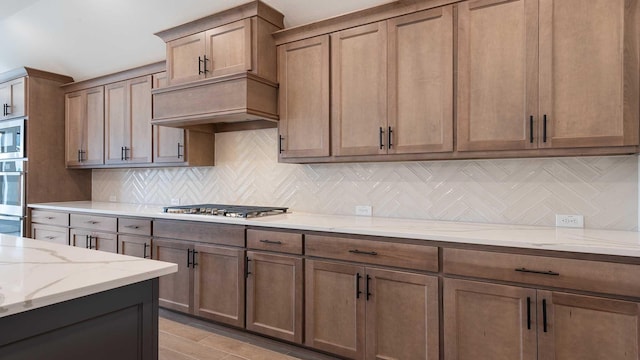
(591, 241)
(36, 273)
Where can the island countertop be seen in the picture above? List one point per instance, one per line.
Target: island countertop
(36, 273)
(589, 241)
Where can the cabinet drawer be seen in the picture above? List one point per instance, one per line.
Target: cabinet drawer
(94, 222)
(199, 231)
(588, 275)
(290, 243)
(134, 226)
(409, 256)
(54, 234)
(49, 217)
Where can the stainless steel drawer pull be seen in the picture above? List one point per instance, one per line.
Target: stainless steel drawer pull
(132, 226)
(49, 217)
(525, 270)
(49, 237)
(356, 251)
(271, 242)
(92, 222)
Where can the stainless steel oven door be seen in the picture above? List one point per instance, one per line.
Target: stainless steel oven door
(11, 225)
(12, 139)
(12, 186)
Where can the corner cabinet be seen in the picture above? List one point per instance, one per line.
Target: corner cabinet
(84, 123)
(536, 74)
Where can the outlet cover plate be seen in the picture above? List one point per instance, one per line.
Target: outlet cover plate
(363, 210)
(175, 201)
(572, 221)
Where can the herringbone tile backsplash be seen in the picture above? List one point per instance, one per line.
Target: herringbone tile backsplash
(512, 191)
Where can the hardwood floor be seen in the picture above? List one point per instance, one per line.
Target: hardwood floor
(187, 338)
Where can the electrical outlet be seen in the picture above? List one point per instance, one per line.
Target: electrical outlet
(363, 210)
(573, 221)
(113, 198)
(175, 201)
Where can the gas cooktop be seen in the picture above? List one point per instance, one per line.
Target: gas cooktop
(237, 211)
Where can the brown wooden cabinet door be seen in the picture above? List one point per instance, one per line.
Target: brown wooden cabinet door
(140, 131)
(488, 321)
(589, 72)
(12, 99)
(185, 58)
(93, 132)
(139, 246)
(335, 308)
(79, 238)
(274, 295)
(168, 142)
(359, 90)
(219, 284)
(497, 92)
(74, 125)
(402, 320)
(587, 328)
(421, 82)
(116, 119)
(55, 234)
(228, 49)
(104, 242)
(304, 98)
(175, 289)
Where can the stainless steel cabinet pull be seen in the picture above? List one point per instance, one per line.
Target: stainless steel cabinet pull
(49, 237)
(49, 217)
(525, 270)
(92, 222)
(356, 251)
(132, 226)
(271, 242)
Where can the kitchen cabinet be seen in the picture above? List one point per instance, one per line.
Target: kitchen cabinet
(407, 60)
(93, 232)
(304, 98)
(127, 123)
(420, 88)
(13, 98)
(488, 320)
(210, 278)
(177, 146)
(547, 74)
(244, 45)
(366, 312)
(84, 124)
(275, 282)
(134, 237)
(359, 90)
(56, 234)
(491, 321)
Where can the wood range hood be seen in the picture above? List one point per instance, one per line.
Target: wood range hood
(221, 71)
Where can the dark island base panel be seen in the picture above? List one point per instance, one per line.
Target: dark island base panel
(117, 324)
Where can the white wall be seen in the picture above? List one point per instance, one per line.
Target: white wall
(514, 191)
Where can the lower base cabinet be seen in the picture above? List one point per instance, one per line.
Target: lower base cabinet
(370, 313)
(491, 321)
(93, 240)
(209, 282)
(138, 246)
(55, 234)
(274, 295)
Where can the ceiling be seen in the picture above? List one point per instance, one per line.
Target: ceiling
(89, 38)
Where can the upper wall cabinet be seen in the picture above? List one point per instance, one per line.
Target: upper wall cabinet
(547, 74)
(221, 69)
(303, 75)
(224, 50)
(12, 98)
(84, 123)
(128, 121)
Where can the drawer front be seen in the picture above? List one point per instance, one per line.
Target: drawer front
(134, 226)
(289, 243)
(94, 222)
(198, 231)
(408, 256)
(588, 275)
(49, 217)
(56, 234)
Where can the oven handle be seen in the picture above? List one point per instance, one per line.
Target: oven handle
(12, 218)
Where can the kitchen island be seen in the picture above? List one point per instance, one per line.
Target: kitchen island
(63, 302)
